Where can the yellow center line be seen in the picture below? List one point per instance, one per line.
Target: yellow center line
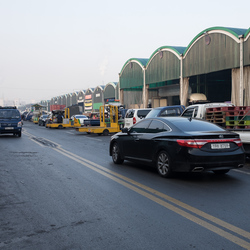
(152, 193)
(126, 182)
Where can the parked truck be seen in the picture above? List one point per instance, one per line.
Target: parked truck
(226, 115)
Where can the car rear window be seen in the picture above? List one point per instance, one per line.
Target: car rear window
(143, 112)
(130, 113)
(170, 112)
(187, 125)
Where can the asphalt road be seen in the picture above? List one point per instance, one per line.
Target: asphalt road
(60, 190)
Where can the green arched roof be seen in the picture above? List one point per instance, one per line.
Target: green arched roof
(114, 84)
(141, 61)
(247, 32)
(234, 31)
(178, 50)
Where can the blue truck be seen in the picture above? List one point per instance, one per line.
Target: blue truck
(10, 121)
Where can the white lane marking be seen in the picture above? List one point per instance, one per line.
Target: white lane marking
(241, 171)
(70, 133)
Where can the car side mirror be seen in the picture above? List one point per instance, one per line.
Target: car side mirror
(125, 130)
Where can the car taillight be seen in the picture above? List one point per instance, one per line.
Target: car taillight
(134, 120)
(238, 142)
(199, 143)
(190, 143)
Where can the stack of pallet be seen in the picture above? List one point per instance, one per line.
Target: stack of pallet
(237, 117)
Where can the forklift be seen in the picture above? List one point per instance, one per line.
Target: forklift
(61, 119)
(109, 122)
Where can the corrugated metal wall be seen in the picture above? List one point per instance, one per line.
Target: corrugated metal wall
(74, 99)
(109, 92)
(247, 52)
(64, 101)
(132, 76)
(212, 52)
(59, 100)
(117, 91)
(52, 101)
(133, 99)
(68, 100)
(97, 98)
(80, 97)
(164, 66)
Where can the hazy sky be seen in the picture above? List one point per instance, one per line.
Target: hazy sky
(54, 47)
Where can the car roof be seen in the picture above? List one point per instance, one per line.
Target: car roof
(170, 118)
(140, 109)
(166, 107)
(212, 104)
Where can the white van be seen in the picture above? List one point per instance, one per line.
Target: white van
(134, 115)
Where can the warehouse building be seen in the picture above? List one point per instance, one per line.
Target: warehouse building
(216, 63)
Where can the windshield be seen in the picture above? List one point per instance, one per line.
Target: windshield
(9, 114)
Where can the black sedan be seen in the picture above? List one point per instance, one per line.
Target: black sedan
(178, 144)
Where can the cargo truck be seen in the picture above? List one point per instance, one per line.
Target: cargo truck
(226, 115)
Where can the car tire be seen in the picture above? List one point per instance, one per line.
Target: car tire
(60, 126)
(116, 155)
(105, 132)
(19, 134)
(163, 164)
(221, 172)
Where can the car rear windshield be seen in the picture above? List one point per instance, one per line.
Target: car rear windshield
(143, 112)
(130, 113)
(187, 125)
(9, 114)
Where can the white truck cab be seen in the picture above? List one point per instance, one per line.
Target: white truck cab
(199, 110)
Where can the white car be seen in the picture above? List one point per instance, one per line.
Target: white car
(81, 118)
(135, 115)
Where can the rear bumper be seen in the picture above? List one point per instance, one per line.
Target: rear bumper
(197, 162)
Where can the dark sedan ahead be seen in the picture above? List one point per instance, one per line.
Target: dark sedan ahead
(179, 144)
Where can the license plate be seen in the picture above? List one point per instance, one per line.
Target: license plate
(220, 145)
(9, 128)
